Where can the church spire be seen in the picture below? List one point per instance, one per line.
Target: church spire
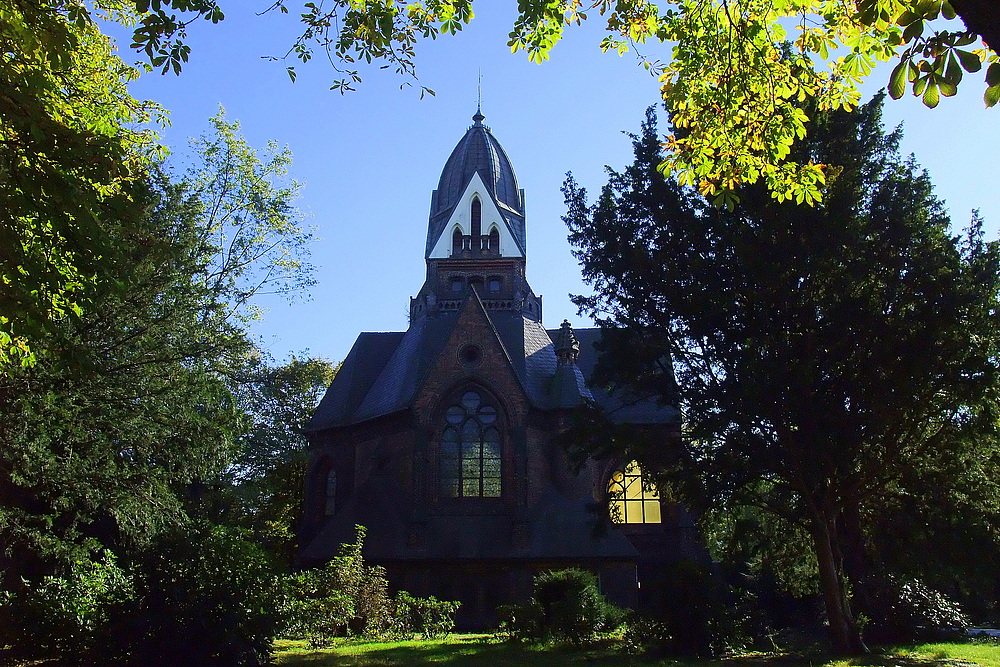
(478, 170)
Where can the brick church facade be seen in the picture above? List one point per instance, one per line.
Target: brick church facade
(439, 439)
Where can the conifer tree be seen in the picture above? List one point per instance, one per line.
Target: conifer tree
(829, 360)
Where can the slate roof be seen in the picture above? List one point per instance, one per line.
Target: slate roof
(478, 151)
(383, 372)
(622, 406)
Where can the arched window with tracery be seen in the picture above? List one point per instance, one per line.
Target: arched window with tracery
(470, 449)
(631, 498)
(477, 221)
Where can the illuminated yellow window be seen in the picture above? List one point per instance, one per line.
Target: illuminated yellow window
(631, 501)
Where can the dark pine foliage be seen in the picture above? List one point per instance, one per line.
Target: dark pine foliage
(836, 365)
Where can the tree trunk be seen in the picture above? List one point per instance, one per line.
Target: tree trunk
(857, 567)
(981, 17)
(845, 637)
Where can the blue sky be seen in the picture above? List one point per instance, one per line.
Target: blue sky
(370, 159)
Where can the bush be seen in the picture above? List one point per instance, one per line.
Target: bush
(204, 597)
(913, 608)
(572, 606)
(566, 605)
(199, 596)
(347, 596)
(520, 622)
(314, 609)
(71, 615)
(697, 610)
(428, 617)
(644, 634)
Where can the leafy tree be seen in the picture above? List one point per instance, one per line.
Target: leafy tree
(261, 491)
(131, 402)
(71, 154)
(832, 362)
(126, 406)
(248, 217)
(740, 80)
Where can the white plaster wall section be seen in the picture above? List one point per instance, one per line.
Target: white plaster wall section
(491, 217)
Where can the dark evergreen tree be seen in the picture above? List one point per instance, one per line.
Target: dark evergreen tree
(833, 363)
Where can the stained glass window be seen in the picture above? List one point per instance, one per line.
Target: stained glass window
(469, 453)
(632, 499)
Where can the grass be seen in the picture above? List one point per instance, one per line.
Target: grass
(480, 651)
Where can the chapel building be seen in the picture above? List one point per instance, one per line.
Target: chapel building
(439, 439)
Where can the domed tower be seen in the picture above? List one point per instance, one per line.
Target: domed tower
(476, 233)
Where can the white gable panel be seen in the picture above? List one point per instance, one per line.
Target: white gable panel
(462, 218)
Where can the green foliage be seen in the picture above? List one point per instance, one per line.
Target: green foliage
(572, 606)
(348, 596)
(808, 390)
(314, 608)
(73, 150)
(428, 617)
(566, 605)
(741, 80)
(694, 612)
(248, 219)
(204, 596)
(131, 404)
(71, 615)
(128, 404)
(520, 622)
(913, 606)
(261, 490)
(197, 595)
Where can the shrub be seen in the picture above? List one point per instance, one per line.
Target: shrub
(205, 597)
(520, 622)
(644, 634)
(914, 607)
(349, 596)
(428, 617)
(566, 605)
(697, 610)
(73, 614)
(198, 596)
(314, 609)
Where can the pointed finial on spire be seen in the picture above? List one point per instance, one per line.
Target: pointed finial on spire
(479, 117)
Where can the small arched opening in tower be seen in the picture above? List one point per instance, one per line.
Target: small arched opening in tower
(477, 223)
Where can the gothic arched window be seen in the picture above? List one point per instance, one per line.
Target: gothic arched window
(470, 449)
(330, 504)
(494, 243)
(456, 241)
(631, 498)
(477, 220)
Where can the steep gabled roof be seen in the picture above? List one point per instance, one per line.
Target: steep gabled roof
(384, 371)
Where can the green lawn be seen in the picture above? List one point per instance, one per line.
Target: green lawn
(478, 650)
